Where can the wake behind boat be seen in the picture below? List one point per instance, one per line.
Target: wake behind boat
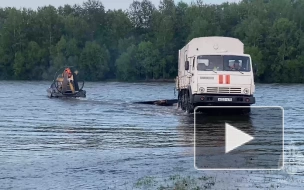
(66, 85)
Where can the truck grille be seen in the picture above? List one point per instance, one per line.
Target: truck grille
(224, 90)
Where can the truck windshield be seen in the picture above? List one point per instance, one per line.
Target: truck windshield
(223, 63)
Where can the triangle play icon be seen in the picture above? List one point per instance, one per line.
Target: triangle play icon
(235, 138)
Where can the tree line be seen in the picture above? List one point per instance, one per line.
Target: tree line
(142, 42)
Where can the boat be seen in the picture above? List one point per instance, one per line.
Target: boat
(66, 85)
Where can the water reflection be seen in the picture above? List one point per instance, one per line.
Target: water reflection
(265, 151)
(104, 141)
(208, 126)
(208, 135)
(210, 130)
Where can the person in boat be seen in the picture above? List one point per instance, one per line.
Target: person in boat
(70, 75)
(235, 66)
(59, 81)
(60, 78)
(70, 78)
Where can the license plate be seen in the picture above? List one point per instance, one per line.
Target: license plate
(225, 99)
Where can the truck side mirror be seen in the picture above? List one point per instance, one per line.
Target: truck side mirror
(255, 69)
(187, 65)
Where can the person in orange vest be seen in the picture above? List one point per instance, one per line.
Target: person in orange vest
(70, 75)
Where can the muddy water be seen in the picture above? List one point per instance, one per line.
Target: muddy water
(106, 142)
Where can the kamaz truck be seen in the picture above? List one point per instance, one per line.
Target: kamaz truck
(214, 71)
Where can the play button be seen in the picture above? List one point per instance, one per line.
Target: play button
(235, 138)
(225, 140)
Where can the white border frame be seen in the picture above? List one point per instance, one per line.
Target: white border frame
(239, 169)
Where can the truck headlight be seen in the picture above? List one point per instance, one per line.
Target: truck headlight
(246, 91)
(201, 89)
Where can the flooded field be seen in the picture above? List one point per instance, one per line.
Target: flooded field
(106, 142)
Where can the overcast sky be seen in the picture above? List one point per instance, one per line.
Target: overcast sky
(109, 4)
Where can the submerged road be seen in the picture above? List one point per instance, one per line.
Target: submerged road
(106, 142)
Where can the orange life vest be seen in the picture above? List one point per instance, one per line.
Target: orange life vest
(69, 72)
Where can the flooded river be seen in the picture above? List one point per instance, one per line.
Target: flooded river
(106, 142)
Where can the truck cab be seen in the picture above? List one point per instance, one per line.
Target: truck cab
(214, 78)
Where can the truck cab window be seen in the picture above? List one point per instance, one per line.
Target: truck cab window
(223, 63)
(202, 64)
(237, 63)
(209, 63)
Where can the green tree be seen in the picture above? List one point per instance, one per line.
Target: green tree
(94, 61)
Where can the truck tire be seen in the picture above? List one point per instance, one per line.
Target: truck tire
(246, 111)
(179, 102)
(183, 106)
(189, 105)
(181, 99)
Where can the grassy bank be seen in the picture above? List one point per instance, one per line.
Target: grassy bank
(175, 182)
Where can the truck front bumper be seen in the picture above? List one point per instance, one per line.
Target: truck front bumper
(209, 99)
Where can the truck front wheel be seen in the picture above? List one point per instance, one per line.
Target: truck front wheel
(246, 111)
(181, 100)
(189, 106)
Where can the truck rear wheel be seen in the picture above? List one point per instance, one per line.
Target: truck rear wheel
(179, 102)
(184, 101)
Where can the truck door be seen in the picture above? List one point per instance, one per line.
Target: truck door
(192, 70)
(188, 72)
